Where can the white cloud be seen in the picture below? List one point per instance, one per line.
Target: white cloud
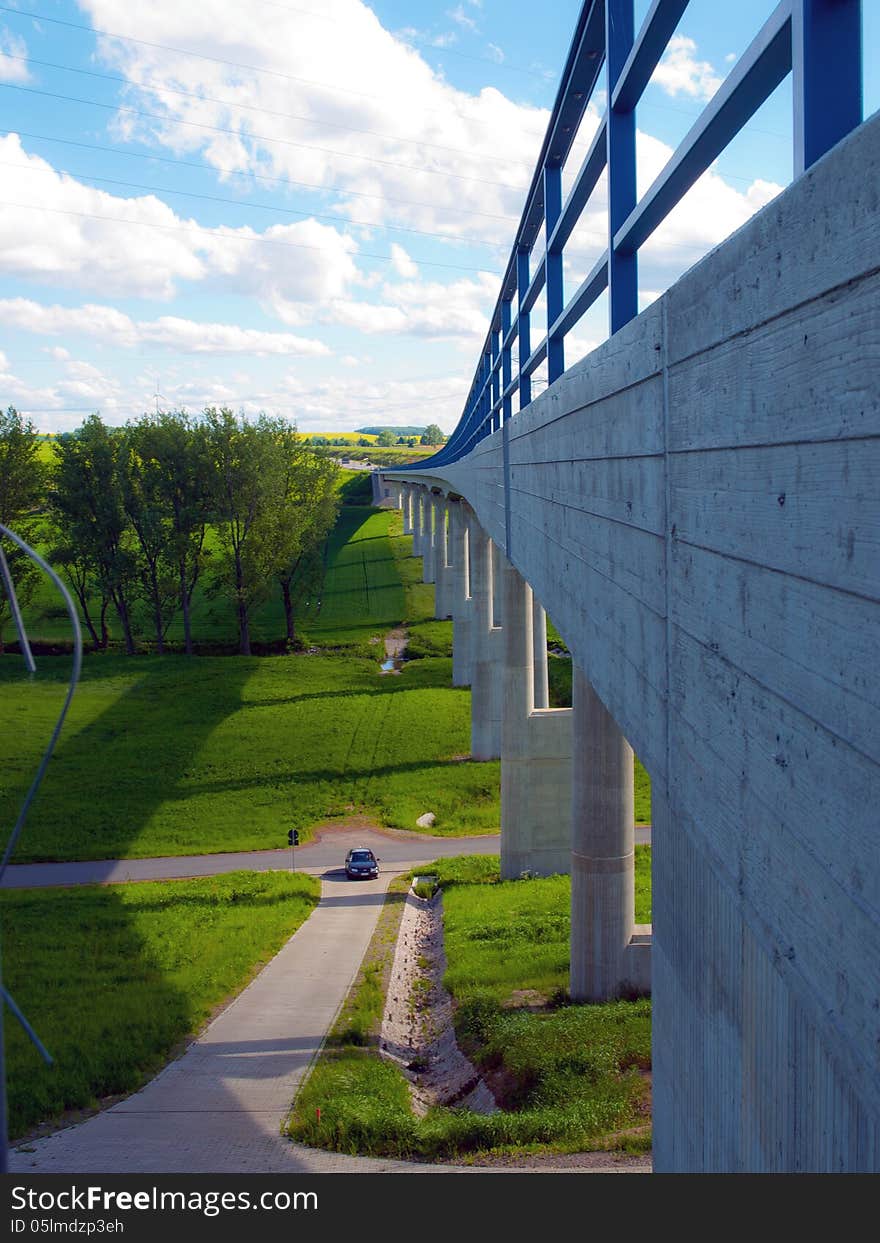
(495, 52)
(459, 310)
(11, 46)
(361, 112)
(345, 402)
(680, 73)
(401, 262)
(184, 336)
(459, 16)
(138, 247)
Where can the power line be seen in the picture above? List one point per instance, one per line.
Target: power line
(282, 142)
(229, 64)
(263, 241)
(237, 172)
(214, 198)
(271, 112)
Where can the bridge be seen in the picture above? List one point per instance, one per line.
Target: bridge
(695, 504)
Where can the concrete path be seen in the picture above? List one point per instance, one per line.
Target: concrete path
(397, 850)
(219, 1108)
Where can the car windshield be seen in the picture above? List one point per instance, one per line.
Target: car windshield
(362, 856)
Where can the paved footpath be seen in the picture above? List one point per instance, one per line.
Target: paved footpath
(219, 1108)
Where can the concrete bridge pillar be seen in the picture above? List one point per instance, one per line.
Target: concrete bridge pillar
(461, 597)
(535, 750)
(443, 569)
(485, 651)
(417, 521)
(407, 509)
(610, 956)
(539, 628)
(428, 517)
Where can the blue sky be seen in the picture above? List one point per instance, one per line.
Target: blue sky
(304, 206)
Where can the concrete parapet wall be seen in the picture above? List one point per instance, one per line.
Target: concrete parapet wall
(696, 503)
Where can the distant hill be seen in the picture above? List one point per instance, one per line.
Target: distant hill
(398, 431)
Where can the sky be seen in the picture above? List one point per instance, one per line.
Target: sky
(304, 207)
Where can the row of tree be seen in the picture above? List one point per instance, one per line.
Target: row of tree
(136, 517)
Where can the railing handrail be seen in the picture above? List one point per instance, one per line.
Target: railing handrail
(818, 40)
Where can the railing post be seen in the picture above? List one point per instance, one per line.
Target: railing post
(555, 302)
(496, 381)
(826, 62)
(522, 330)
(505, 358)
(623, 279)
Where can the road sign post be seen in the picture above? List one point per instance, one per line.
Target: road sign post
(293, 842)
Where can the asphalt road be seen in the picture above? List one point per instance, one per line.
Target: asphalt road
(395, 850)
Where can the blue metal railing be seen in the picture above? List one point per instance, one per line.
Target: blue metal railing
(818, 41)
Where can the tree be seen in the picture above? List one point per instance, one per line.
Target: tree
(432, 435)
(144, 504)
(308, 506)
(89, 505)
(22, 491)
(79, 570)
(386, 438)
(177, 495)
(249, 470)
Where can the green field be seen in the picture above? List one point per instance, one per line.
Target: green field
(114, 977)
(164, 755)
(567, 1077)
(363, 595)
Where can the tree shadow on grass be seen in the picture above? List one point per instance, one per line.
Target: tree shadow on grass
(104, 782)
(333, 775)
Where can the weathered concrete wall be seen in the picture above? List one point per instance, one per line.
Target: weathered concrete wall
(697, 505)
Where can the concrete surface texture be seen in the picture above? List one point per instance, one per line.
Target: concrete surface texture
(462, 605)
(485, 651)
(604, 960)
(696, 504)
(536, 754)
(445, 571)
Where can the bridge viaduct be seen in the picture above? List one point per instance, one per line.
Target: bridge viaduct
(696, 505)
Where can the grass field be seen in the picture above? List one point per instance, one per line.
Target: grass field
(113, 978)
(363, 595)
(174, 756)
(568, 1077)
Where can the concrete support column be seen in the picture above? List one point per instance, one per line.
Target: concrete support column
(608, 959)
(539, 629)
(428, 539)
(461, 596)
(486, 651)
(407, 509)
(417, 521)
(535, 750)
(442, 568)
